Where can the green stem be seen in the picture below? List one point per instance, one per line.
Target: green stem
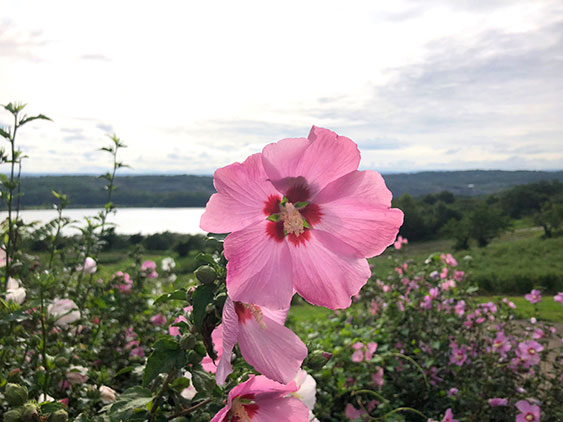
(44, 343)
(161, 392)
(9, 251)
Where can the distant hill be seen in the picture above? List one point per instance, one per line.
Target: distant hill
(194, 191)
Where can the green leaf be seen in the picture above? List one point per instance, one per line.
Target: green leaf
(205, 258)
(201, 298)
(4, 133)
(203, 382)
(122, 371)
(166, 356)
(180, 383)
(132, 400)
(31, 118)
(51, 406)
(220, 237)
(274, 217)
(179, 294)
(303, 204)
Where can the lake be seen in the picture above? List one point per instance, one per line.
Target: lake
(128, 220)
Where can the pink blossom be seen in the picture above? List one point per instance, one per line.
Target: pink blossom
(534, 296)
(458, 354)
(529, 413)
(400, 242)
(260, 399)
(458, 275)
(352, 413)
(460, 308)
(158, 319)
(77, 374)
(137, 351)
(374, 307)
(444, 273)
(452, 392)
(558, 297)
(501, 344)
(528, 352)
(509, 303)
(448, 259)
(496, 402)
(89, 266)
(449, 416)
(538, 334)
(448, 284)
(65, 312)
(300, 216)
(426, 303)
(149, 268)
(264, 341)
(377, 377)
(175, 331)
(217, 339)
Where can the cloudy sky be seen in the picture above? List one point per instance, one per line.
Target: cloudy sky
(192, 86)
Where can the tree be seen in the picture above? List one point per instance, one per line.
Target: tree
(550, 216)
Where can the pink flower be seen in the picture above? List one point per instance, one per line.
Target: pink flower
(534, 296)
(175, 331)
(65, 312)
(217, 338)
(158, 319)
(352, 413)
(501, 344)
(458, 275)
(449, 417)
(448, 284)
(530, 413)
(538, 334)
(377, 377)
(558, 297)
(137, 351)
(528, 352)
(89, 266)
(361, 350)
(444, 273)
(149, 268)
(448, 259)
(77, 374)
(272, 349)
(460, 308)
(509, 303)
(452, 392)
(496, 402)
(260, 399)
(301, 217)
(400, 242)
(458, 355)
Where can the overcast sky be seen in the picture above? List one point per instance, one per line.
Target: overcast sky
(192, 86)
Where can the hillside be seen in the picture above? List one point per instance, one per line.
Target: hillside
(194, 191)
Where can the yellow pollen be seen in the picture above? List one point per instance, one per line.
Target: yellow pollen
(292, 219)
(529, 417)
(257, 314)
(532, 351)
(239, 411)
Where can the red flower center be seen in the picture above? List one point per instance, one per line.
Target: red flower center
(242, 409)
(529, 417)
(532, 351)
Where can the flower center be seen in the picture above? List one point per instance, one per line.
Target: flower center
(532, 351)
(529, 417)
(242, 410)
(292, 219)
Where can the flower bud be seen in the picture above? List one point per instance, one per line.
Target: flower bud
(30, 413)
(61, 362)
(187, 341)
(13, 415)
(15, 394)
(317, 359)
(189, 293)
(107, 394)
(205, 274)
(58, 416)
(220, 300)
(210, 308)
(194, 357)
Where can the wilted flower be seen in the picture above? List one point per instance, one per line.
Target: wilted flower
(301, 216)
(65, 311)
(189, 392)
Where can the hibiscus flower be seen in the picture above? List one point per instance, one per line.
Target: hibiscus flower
(301, 217)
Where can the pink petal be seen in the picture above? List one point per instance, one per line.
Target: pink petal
(262, 385)
(355, 208)
(242, 193)
(230, 334)
(259, 268)
(322, 158)
(326, 271)
(220, 416)
(272, 349)
(217, 338)
(287, 409)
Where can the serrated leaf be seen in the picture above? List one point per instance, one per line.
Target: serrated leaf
(166, 356)
(203, 295)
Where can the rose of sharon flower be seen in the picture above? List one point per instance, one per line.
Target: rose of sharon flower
(301, 216)
(558, 297)
(149, 268)
(65, 311)
(107, 394)
(528, 352)
(260, 399)
(272, 349)
(14, 291)
(77, 374)
(307, 392)
(534, 296)
(89, 266)
(496, 402)
(168, 263)
(449, 416)
(530, 413)
(399, 242)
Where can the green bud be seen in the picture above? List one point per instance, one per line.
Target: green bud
(210, 308)
(15, 394)
(59, 416)
(194, 357)
(187, 341)
(13, 415)
(220, 300)
(317, 359)
(205, 274)
(30, 413)
(200, 348)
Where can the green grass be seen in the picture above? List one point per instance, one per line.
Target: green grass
(304, 312)
(547, 309)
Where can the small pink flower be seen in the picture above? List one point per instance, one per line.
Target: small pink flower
(352, 413)
(400, 242)
(528, 352)
(89, 266)
(371, 349)
(529, 413)
(149, 268)
(458, 354)
(448, 284)
(301, 211)
(137, 351)
(509, 303)
(377, 377)
(452, 392)
(558, 297)
(158, 319)
(264, 341)
(534, 296)
(458, 275)
(449, 417)
(460, 308)
(501, 344)
(538, 334)
(448, 259)
(175, 331)
(496, 402)
(444, 273)
(260, 399)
